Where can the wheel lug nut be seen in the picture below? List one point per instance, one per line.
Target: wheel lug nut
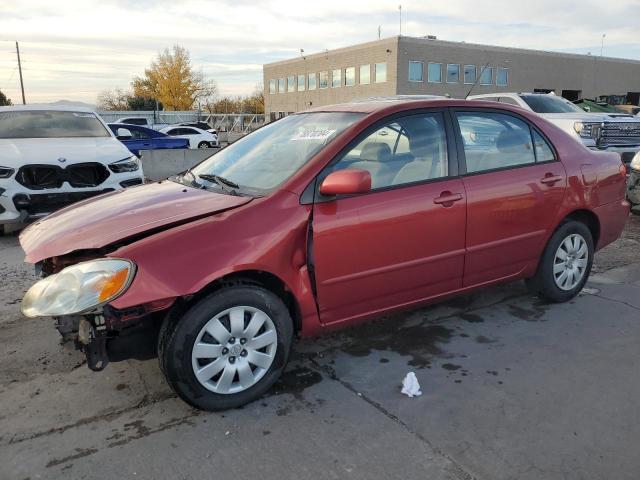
(243, 341)
(232, 359)
(243, 353)
(225, 350)
(232, 340)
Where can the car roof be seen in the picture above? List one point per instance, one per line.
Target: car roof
(393, 104)
(45, 107)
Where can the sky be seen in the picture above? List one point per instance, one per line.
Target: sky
(74, 49)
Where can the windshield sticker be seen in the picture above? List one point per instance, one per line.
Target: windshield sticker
(317, 134)
(83, 115)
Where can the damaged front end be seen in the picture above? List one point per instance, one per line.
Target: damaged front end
(77, 295)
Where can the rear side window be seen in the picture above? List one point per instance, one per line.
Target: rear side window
(544, 153)
(494, 140)
(407, 150)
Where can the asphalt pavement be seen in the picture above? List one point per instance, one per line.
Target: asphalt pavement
(513, 388)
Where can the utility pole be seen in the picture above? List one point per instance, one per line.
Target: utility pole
(24, 102)
(602, 44)
(379, 27)
(400, 10)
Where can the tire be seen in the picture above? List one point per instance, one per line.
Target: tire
(222, 380)
(549, 281)
(203, 145)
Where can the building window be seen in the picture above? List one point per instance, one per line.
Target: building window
(381, 72)
(350, 76)
(415, 71)
(470, 74)
(291, 83)
(486, 76)
(301, 83)
(272, 86)
(336, 78)
(434, 73)
(453, 73)
(365, 74)
(502, 77)
(281, 85)
(311, 85)
(324, 79)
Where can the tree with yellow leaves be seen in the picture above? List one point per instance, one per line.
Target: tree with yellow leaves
(172, 81)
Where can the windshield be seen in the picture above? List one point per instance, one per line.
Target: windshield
(50, 124)
(267, 157)
(550, 104)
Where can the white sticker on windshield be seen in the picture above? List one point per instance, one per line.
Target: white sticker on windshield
(83, 115)
(317, 134)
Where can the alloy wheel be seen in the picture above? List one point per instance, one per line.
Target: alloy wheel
(234, 350)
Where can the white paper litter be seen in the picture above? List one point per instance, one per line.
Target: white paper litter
(410, 385)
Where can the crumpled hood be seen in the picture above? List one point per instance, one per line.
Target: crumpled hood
(20, 151)
(103, 220)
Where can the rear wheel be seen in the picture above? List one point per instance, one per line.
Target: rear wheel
(228, 349)
(565, 264)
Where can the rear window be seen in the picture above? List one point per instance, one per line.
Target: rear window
(50, 124)
(549, 104)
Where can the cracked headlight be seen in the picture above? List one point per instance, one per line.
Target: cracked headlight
(130, 164)
(78, 288)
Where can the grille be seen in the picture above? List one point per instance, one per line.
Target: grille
(43, 203)
(38, 177)
(618, 133)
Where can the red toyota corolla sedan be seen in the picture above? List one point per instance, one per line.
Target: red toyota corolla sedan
(318, 220)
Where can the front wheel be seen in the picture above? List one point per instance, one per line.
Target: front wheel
(203, 145)
(228, 349)
(565, 264)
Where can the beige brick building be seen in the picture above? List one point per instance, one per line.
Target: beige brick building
(412, 66)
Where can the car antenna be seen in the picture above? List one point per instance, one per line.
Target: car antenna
(477, 80)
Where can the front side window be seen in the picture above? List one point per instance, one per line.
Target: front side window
(415, 71)
(486, 76)
(301, 83)
(453, 73)
(312, 81)
(272, 86)
(365, 74)
(435, 73)
(51, 124)
(406, 150)
(350, 76)
(470, 74)
(336, 78)
(324, 79)
(494, 140)
(502, 77)
(291, 83)
(281, 85)
(381, 72)
(262, 160)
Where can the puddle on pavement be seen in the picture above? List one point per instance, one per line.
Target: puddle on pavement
(533, 314)
(420, 342)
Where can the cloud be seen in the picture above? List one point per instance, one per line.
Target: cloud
(75, 49)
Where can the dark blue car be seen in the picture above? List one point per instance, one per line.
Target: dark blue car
(137, 138)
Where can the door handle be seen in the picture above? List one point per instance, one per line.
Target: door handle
(550, 179)
(446, 199)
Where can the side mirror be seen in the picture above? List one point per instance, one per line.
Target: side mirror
(346, 182)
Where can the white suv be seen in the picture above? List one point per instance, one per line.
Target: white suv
(51, 157)
(612, 132)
